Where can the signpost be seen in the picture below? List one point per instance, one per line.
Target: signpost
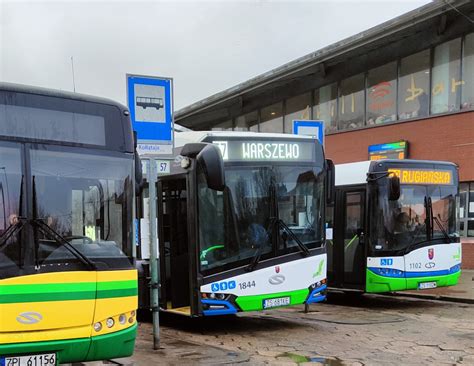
(311, 128)
(150, 100)
(151, 111)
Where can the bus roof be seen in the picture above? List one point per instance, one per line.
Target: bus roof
(28, 89)
(356, 173)
(196, 136)
(352, 173)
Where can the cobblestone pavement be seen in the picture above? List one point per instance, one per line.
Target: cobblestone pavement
(351, 330)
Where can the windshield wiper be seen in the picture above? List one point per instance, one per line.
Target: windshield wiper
(258, 252)
(49, 231)
(433, 219)
(255, 259)
(58, 238)
(443, 230)
(279, 223)
(303, 248)
(12, 229)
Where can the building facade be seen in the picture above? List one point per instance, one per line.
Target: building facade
(410, 79)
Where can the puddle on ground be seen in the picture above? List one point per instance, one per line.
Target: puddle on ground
(300, 359)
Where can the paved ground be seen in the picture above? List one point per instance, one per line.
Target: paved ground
(347, 330)
(351, 330)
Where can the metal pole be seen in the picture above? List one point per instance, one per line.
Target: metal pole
(73, 79)
(154, 260)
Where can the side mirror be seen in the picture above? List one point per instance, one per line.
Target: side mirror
(210, 159)
(139, 182)
(212, 163)
(393, 188)
(330, 182)
(135, 140)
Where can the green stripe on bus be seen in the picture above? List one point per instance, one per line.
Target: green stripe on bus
(106, 294)
(46, 287)
(377, 283)
(10, 294)
(65, 287)
(51, 296)
(116, 344)
(114, 285)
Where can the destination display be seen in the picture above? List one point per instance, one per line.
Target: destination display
(422, 176)
(266, 150)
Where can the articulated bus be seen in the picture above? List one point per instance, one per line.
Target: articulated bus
(68, 283)
(243, 231)
(394, 225)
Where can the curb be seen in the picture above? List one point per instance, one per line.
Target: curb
(434, 297)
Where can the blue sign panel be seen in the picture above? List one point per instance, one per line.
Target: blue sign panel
(312, 128)
(151, 108)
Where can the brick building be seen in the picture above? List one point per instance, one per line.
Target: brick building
(410, 79)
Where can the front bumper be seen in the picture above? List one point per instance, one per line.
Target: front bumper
(112, 345)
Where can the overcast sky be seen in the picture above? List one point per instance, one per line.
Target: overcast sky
(205, 46)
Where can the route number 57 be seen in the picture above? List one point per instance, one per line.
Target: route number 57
(163, 166)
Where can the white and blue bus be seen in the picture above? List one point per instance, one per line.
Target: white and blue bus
(243, 229)
(395, 226)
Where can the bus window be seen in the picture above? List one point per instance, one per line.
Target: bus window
(10, 188)
(353, 226)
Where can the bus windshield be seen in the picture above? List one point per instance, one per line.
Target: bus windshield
(237, 223)
(399, 225)
(85, 199)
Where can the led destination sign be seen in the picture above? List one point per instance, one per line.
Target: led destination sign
(266, 150)
(419, 176)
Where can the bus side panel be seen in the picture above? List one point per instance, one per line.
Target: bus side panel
(385, 274)
(297, 280)
(438, 264)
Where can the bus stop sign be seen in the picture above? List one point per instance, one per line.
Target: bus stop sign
(312, 128)
(151, 111)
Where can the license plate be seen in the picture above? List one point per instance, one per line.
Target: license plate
(273, 303)
(46, 359)
(427, 285)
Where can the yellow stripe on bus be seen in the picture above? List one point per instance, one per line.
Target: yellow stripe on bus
(55, 277)
(124, 275)
(67, 277)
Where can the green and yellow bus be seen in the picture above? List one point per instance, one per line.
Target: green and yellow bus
(68, 285)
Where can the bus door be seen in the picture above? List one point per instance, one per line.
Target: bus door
(174, 250)
(349, 239)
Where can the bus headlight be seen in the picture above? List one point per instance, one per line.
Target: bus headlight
(98, 326)
(110, 322)
(122, 319)
(214, 296)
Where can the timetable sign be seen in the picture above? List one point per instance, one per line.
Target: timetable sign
(393, 150)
